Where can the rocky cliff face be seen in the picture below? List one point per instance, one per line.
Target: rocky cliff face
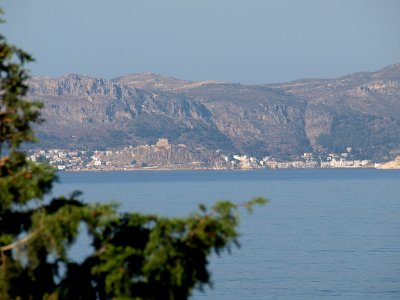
(94, 113)
(280, 119)
(361, 110)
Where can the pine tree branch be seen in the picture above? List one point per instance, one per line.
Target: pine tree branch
(21, 242)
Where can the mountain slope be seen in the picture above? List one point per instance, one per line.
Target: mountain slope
(361, 110)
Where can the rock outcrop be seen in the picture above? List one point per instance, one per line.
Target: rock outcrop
(169, 156)
(391, 165)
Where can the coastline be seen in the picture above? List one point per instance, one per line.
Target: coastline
(163, 169)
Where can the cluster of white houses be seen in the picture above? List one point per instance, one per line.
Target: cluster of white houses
(61, 159)
(94, 160)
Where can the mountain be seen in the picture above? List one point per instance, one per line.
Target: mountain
(360, 110)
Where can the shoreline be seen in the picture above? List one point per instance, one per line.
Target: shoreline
(210, 169)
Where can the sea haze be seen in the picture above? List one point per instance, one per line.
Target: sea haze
(325, 233)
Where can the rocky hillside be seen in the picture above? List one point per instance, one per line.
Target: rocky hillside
(391, 165)
(170, 156)
(361, 111)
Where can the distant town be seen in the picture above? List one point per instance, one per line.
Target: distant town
(166, 156)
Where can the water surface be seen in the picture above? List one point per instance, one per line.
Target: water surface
(325, 233)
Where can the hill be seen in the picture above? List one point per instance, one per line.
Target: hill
(391, 165)
(360, 110)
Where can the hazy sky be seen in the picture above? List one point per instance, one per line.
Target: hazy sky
(247, 41)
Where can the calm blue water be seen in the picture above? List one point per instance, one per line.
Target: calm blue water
(325, 233)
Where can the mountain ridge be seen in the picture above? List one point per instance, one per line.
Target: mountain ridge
(281, 119)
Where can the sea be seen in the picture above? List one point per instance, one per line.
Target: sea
(325, 233)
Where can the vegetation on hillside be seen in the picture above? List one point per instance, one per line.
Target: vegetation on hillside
(369, 136)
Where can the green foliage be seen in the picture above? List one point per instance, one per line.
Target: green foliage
(370, 137)
(134, 256)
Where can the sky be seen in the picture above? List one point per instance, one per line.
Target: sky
(251, 42)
